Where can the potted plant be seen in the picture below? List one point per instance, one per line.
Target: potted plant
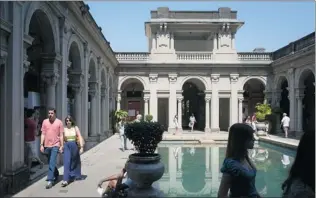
(262, 110)
(144, 167)
(148, 118)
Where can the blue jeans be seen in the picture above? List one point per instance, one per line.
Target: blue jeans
(52, 153)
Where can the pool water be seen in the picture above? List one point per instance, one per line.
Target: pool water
(194, 170)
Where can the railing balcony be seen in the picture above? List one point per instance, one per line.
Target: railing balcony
(254, 56)
(193, 57)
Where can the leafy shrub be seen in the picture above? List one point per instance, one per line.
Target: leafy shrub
(120, 114)
(148, 118)
(145, 136)
(262, 111)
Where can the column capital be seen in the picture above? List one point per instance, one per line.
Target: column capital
(103, 93)
(172, 78)
(50, 78)
(215, 78)
(146, 99)
(77, 88)
(179, 99)
(234, 78)
(92, 92)
(153, 78)
(26, 65)
(207, 99)
(240, 100)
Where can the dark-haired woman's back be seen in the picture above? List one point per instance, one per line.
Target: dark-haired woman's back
(301, 179)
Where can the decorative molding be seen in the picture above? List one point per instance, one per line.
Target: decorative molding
(26, 66)
(153, 78)
(240, 100)
(172, 78)
(290, 71)
(92, 92)
(234, 78)
(207, 99)
(146, 99)
(215, 78)
(50, 78)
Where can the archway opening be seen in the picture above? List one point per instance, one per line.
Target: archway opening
(253, 94)
(34, 86)
(193, 169)
(132, 101)
(284, 102)
(193, 103)
(307, 80)
(75, 84)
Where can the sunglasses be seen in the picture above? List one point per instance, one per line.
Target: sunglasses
(68, 121)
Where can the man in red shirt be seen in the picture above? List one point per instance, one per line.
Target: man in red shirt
(29, 138)
(52, 142)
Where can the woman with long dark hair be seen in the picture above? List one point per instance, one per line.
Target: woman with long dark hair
(72, 150)
(301, 179)
(239, 172)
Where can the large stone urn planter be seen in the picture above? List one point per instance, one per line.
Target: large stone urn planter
(144, 170)
(261, 128)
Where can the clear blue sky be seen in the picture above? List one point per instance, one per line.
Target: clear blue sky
(267, 24)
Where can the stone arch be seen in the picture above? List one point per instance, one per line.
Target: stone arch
(260, 78)
(199, 81)
(92, 69)
(280, 80)
(126, 78)
(74, 41)
(103, 77)
(303, 74)
(75, 57)
(49, 24)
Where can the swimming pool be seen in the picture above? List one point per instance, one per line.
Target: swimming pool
(194, 170)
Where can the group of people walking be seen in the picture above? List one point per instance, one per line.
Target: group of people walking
(57, 137)
(239, 172)
(192, 122)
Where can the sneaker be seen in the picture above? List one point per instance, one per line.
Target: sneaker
(49, 185)
(64, 184)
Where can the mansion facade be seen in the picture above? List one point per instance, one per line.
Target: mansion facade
(53, 54)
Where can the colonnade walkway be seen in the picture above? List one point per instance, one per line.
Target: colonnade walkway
(103, 160)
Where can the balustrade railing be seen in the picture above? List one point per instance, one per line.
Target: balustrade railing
(254, 56)
(202, 56)
(132, 56)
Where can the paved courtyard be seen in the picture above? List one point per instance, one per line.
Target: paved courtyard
(101, 161)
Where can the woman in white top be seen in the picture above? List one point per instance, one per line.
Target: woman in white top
(192, 122)
(121, 128)
(72, 151)
(176, 123)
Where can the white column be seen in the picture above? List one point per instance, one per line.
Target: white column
(172, 100)
(180, 113)
(14, 100)
(146, 106)
(215, 103)
(207, 158)
(78, 105)
(154, 42)
(233, 99)
(299, 113)
(118, 102)
(93, 111)
(103, 111)
(240, 110)
(207, 115)
(85, 93)
(292, 113)
(153, 100)
(215, 42)
(50, 80)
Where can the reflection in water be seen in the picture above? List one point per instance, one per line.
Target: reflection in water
(193, 177)
(195, 171)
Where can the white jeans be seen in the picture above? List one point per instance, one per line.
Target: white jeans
(123, 142)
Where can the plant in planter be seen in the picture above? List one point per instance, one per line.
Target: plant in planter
(144, 167)
(148, 118)
(262, 111)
